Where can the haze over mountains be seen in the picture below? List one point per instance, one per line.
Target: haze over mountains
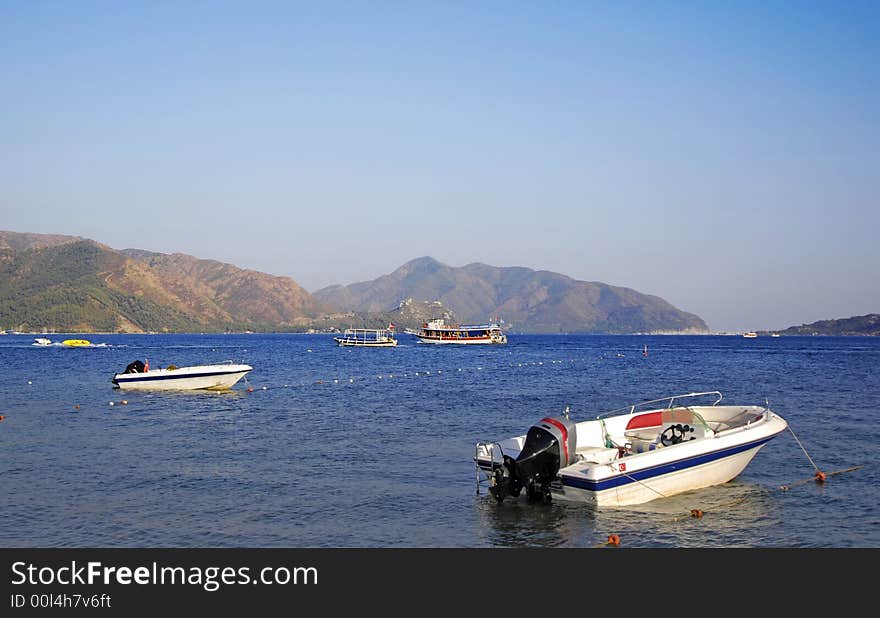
(71, 284)
(532, 301)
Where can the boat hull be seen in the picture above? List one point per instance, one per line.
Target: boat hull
(462, 340)
(206, 377)
(636, 490)
(365, 344)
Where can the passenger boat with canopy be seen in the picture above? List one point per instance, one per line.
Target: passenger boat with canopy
(368, 337)
(631, 455)
(437, 331)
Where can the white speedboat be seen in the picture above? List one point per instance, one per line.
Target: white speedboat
(628, 456)
(197, 377)
(42, 341)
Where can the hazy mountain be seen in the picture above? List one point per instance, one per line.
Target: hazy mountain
(857, 325)
(408, 314)
(68, 284)
(18, 241)
(532, 301)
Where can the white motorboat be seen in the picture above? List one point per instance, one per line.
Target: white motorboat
(628, 456)
(42, 341)
(218, 377)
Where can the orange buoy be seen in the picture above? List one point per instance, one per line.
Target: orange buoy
(2, 417)
(76, 407)
(613, 540)
(696, 513)
(250, 389)
(124, 402)
(819, 476)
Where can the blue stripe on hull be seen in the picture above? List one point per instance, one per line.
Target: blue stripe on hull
(660, 470)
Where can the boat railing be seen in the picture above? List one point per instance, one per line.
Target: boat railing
(671, 403)
(489, 449)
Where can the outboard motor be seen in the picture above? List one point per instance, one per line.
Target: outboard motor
(135, 367)
(549, 446)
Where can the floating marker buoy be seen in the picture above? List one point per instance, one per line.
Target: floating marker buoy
(29, 382)
(613, 540)
(819, 476)
(112, 404)
(350, 380)
(264, 388)
(697, 513)
(335, 381)
(250, 389)
(124, 402)
(1, 417)
(76, 407)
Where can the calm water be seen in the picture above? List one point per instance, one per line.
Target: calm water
(338, 447)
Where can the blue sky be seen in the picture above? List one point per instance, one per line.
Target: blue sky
(721, 155)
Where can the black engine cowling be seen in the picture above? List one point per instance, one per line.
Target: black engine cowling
(549, 445)
(135, 367)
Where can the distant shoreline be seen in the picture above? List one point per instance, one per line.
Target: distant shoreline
(514, 333)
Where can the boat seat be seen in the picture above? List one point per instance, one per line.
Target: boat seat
(597, 454)
(638, 445)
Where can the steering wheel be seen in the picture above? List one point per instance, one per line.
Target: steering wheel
(672, 435)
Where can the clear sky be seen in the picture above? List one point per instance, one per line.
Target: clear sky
(722, 155)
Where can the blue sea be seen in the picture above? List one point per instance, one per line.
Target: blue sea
(324, 446)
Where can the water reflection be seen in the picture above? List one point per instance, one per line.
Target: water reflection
(734, 514)
(516, 523)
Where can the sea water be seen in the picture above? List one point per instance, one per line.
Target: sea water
(323, 446)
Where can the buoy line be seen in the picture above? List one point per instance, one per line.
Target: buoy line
(408, 374)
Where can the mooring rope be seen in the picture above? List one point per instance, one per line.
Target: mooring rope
(660, 493)
(803, 449)
(817, 478)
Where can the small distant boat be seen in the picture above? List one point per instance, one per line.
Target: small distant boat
(220, 377)
(750, 335)
(774, 334)
(437, 331)
(367, 337)
(42, 341)
(628, 456)
(76, 343)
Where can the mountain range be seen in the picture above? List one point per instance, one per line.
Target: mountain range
(71, 284)
(529, 300)
(868, 324)
(74, 284)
